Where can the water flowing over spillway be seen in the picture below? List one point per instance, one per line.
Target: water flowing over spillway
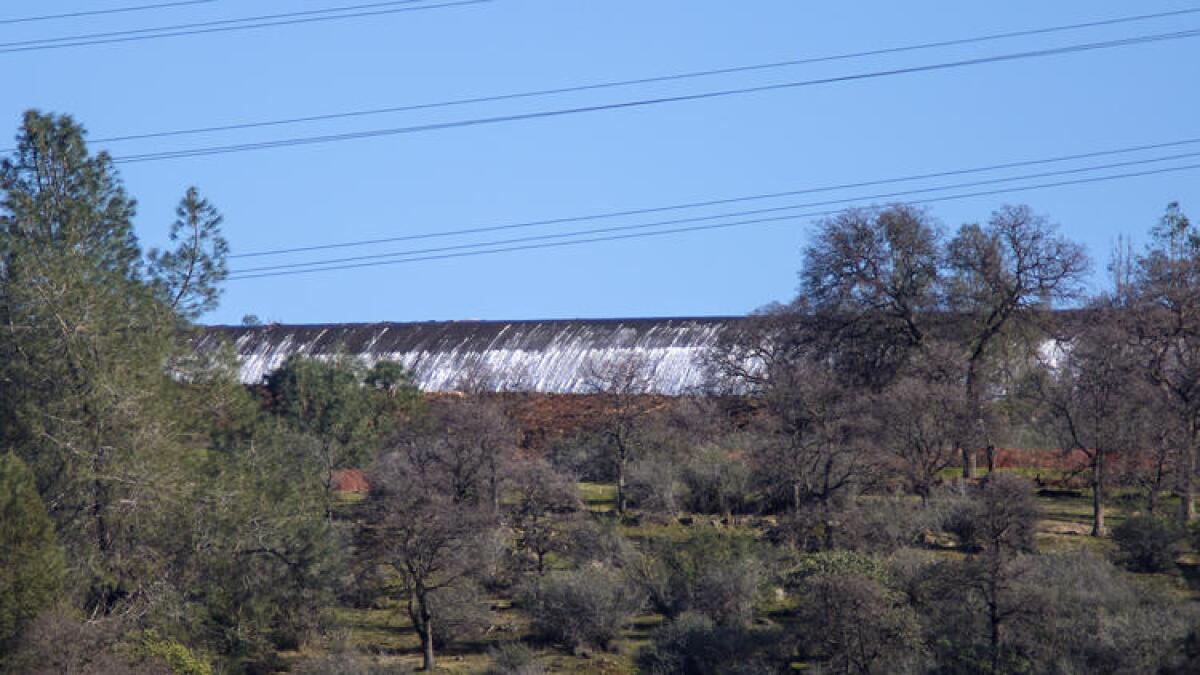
(552, 356)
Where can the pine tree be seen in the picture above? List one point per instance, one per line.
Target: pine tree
(31, 562)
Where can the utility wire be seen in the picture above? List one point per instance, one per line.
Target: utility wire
(720, 216)
(644, 80)
(716, 202)
(640, 103)
(226, 25)
(639, 235)
(95, 12)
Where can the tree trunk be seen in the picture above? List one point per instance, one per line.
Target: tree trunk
(1098, 494)
(991, 458)
(968, 463)
(621, 455)
(1188, 488)
(428, 660)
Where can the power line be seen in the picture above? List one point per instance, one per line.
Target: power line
(640, 103)
(639, 235)
(717, 202)
(720, 216)
(225, 25)
(644, 80)
(96, 12)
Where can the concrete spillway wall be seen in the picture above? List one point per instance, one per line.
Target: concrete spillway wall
(533, 356)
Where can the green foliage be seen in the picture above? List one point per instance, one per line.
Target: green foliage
(82, 350)
(1148, 543)
(178, 657)
(187, 278)
(343, 403)
(837, 563)
(254, 559)
(31, 562)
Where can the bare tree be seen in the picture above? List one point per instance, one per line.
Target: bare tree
(1166, 325)
(544, 500)
(1094, 396)
(1002, 278)
(467, 444)
(920, 421)
(622, 384)
(428, 536)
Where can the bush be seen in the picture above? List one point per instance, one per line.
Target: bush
(654, 485)
(514, 658)
(857, 625)
(716, 482)
(463, 614)
(55, 642)
(1148, 543)
(693, 645)
(586, 607)
(1000, 517)
(712, 574)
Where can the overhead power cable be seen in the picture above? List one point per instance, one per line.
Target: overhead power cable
(719, 216)
(699, 228)
(226, 25)
(716, 202)
(644, 80)
(645, 102)
(97, 12)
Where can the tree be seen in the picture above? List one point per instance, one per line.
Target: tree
(188, 277)
(31, 562)
(857, 625)
(920, 420)
(351, 410)
(82, 351)
(465, 445)
(543, 500)
(871, 278)
(1001, 277)
(1094, 396)
(1166, 328)
(430, 538)
(622, 385)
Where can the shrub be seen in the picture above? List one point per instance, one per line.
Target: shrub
(857, 625)
(586, 607)
(693, 645)
(712, 574)
(654, 485)
(514, 658)
(462, 612)
(1000, 517)
(180, 659)
(1147, 543)
(716, 482)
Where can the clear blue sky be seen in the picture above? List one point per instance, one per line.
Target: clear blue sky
(604, 161)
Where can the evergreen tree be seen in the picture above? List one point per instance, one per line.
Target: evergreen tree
(31, 563)
(188, 277)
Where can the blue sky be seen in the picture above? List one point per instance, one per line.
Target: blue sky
(605, 161)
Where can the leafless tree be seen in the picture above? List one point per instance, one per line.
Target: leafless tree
(427, 534)
(920, 421)
(544, 501)
(1002, 278)
(1165, 322)
(467, 444)
(1095, 397)
(622, 383)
